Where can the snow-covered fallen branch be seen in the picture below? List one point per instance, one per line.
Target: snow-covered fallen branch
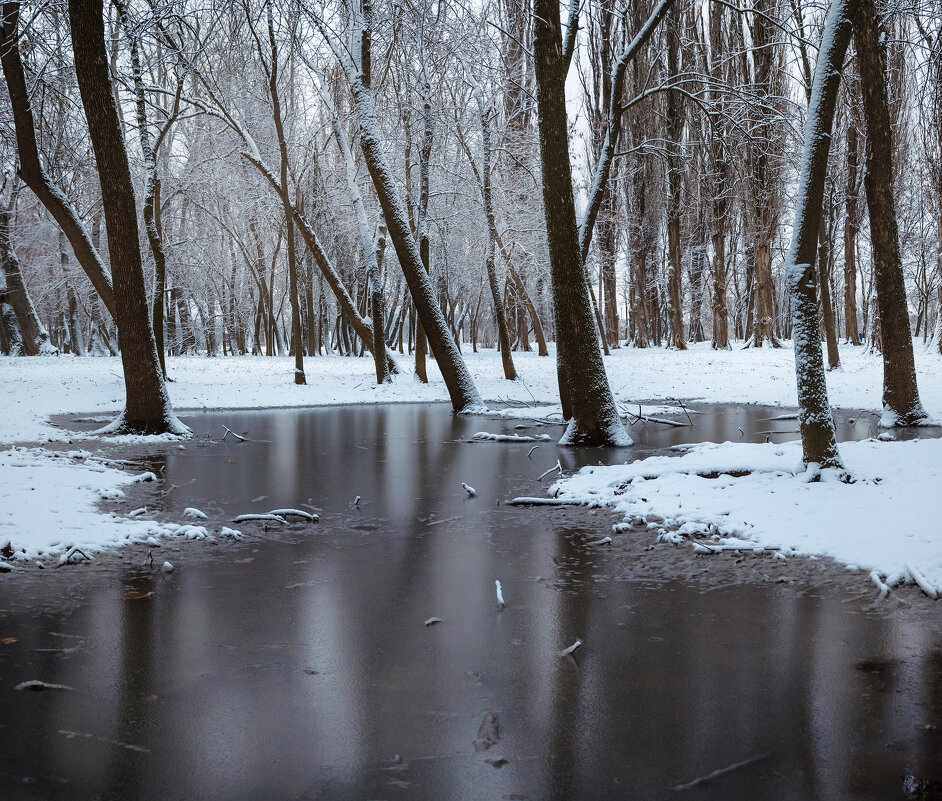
(487, 436)
(527, 501)
(259, 517)
(311, 518)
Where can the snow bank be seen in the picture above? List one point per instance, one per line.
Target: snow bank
(33, 389)
(50, 507)
(884, 521)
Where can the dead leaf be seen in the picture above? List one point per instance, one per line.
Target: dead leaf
(133, 596)
(8, 640)
(148, 699)
(245, 561)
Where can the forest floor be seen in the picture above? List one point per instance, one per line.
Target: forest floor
(885, 521)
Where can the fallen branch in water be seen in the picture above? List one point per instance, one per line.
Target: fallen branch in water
(271, 518)
(525, 501)
(487, 436)
(571, 648)
(237, 436)
(296, 513)
(558, 466)
(721, 772)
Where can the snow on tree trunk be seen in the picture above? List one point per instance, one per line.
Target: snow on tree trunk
(461, 388)
(818, 436)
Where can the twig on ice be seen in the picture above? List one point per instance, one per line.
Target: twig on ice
(721, 772)
(884, 588)
(571, 648)
(531, 450)
(356, 501)
(603, 541)
(470, 490)
(500, 595)
(556, 466)
(432, 621)
(923, 583)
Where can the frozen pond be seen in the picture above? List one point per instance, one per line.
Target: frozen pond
(297, 664)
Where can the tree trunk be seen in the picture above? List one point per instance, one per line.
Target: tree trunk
(851, 224)
(461, 389)
(510, 373)
(54, 200)
(675, 126)
(818, 436)
(593, 416)
(901, 404)
(147, 408)
(30, 333)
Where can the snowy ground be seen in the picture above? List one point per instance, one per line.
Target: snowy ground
(33, 389)
(885, 521)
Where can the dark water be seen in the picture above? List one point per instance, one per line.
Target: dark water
(299, 666)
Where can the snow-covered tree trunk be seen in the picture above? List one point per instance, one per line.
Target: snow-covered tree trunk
(901, 404)
(584, 387)
(461, 388)
(147, 408)
(818, 436)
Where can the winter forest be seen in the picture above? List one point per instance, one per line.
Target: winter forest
(534, 321)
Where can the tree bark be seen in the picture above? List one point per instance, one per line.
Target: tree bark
(593, 416)
(147, 408)
(818, 436)
(851, 225)
(510, 372)
(29, 332)
(461, 389)
(901, 404)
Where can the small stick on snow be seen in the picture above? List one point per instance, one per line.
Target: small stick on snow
(432, 621)
(571, 648)
(296, 513)
(470, 490)
(500, 595)
(271, 518)
(556, 466)
(884, 588)
(923, 583)
(531, 450)
(603, 541)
